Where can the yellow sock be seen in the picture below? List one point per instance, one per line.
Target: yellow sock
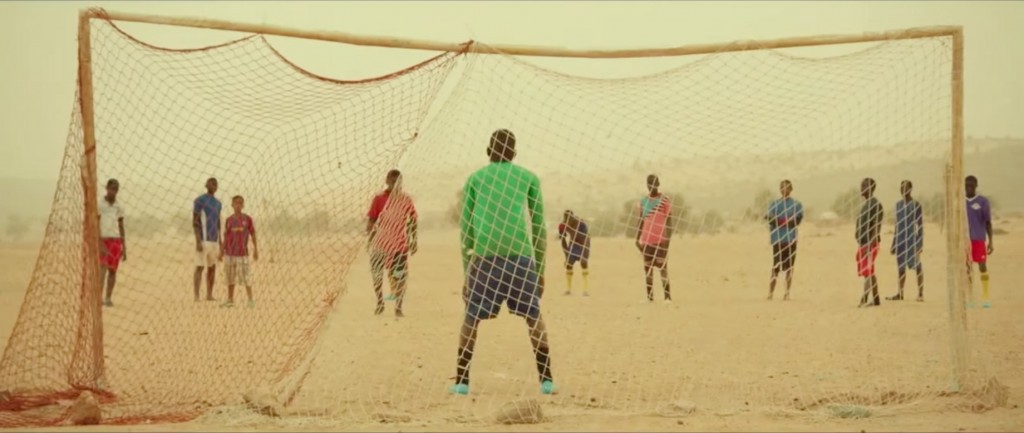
(984, 286)
(586, 280)
(568, 281)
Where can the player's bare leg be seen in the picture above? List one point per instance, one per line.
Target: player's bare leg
(771, 282)
(983, 270)
(867, 290)
(211, 276)
(585, 266)
(568, 277)
(920, 283)
(399, 290)
(231, 296)
(467, 343)
(109, 278)
(541, 352)
(649, 280)
(665, 283)
(196, 281)
(789, 283)
(378, 290)
(902, 281)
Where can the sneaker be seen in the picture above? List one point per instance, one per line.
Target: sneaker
(986, 304)
(920, 298)
(379, 310)
(897, 297)
(390, 297)
(251, 304)
(459, 389)
(668, 301)
(770, 296)
(399, 314)
(785, 297)
(227, 304)
(586, 294)
(108, 303)
(567, 293)
(548, 387)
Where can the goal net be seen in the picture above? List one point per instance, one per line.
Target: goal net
(309, 154)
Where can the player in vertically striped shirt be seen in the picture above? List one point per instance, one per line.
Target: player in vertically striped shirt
(391, 227)
(653, 236)
(503, 240)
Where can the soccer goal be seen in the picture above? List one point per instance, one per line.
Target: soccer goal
(720, 129)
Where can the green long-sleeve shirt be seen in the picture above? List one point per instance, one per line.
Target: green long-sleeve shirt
(503, 214)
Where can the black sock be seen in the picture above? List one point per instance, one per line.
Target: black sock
(543, 364)
(462, 371)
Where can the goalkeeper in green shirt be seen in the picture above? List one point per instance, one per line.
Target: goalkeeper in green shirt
(503, 237)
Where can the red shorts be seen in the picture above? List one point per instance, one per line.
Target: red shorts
(112, 257)
(866, 255)
(979, 251)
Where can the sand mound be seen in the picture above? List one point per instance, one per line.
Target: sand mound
(263, 402)
(519, 412)
(85, 410)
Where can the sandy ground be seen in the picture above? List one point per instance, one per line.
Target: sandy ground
(742, 363)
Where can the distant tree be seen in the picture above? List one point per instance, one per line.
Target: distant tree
(284, 223)
(762, 199)
(934, 208)
(317, 222)
(847, 204)
(711, 223)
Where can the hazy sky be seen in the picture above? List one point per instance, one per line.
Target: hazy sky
(38, 43)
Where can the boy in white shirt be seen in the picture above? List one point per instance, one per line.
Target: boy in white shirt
(112, 246)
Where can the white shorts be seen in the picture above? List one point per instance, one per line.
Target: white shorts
(209, 256)
(236, 269)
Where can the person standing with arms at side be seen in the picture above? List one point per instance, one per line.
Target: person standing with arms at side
(784, 215)
(979, 224)
(504, 239)
(206, 225)
(868, 234)
(653, 236)
(112, 242)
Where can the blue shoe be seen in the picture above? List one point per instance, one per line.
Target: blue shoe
(459, 389)
(547, 387)
(390, 298)
(986, 304)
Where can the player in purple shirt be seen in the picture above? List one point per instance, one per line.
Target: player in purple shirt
(979, 224)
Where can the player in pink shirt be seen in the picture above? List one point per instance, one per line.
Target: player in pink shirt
(392, 231)
(654, 234)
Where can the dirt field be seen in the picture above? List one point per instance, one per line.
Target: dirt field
(742, 363)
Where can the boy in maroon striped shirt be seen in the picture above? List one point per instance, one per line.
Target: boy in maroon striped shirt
(237, 230)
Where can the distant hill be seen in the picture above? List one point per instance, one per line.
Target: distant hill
(997, 162)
